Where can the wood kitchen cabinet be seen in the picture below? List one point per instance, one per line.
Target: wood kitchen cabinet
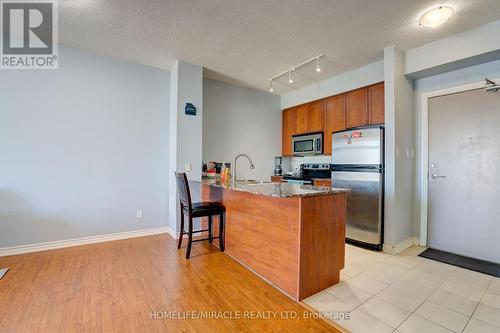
(301, 119)
(360, 107)
(335, 114)
(323, 182)
(315, 112)
(376, 105)
(288, 129)
(357, 108)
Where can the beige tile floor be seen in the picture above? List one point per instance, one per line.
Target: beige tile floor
(406, 293)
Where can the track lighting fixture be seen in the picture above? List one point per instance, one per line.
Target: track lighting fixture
(297, 68)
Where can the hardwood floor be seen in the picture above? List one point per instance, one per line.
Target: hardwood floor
(116, 286)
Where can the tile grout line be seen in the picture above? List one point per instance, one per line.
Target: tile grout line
(472, 314)
(412, 269)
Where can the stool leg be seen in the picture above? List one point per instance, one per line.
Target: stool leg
(182, 230)
(210, 235)
(190, 237)
(221, 232)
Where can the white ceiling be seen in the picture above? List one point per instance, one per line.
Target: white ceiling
(248, 41)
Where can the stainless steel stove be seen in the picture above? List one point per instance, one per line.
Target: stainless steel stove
(309, 172)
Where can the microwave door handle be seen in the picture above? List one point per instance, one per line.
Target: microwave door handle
(318, 144)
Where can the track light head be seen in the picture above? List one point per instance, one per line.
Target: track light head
(318, 68)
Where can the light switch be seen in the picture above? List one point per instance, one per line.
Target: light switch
(187, 167)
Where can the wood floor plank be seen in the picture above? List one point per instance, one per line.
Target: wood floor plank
(119, 287)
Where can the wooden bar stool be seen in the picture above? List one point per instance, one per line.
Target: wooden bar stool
(197, 209)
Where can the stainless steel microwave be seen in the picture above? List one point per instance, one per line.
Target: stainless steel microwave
(307, 144)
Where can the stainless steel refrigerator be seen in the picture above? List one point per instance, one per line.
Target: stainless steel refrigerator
(358, 164)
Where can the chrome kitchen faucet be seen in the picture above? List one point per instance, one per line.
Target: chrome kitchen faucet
(250, 163)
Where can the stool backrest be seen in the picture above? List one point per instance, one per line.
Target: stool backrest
(183, 188)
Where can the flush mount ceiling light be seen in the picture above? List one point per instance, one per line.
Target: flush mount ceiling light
(437, 16)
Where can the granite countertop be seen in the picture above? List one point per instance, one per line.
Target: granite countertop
(276, 190)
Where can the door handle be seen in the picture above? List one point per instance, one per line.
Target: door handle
(437, 176)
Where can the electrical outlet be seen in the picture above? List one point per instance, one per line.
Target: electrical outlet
(139, 214)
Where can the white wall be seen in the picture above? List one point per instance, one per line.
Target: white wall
(240, 120)
(456, 78)
(82, 149)
(462, 50)
(360, 77)
(185, 144)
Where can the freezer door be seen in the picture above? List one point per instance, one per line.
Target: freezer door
(364, 204)
(360, 146)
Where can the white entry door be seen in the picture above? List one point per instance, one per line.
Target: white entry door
(464, 174)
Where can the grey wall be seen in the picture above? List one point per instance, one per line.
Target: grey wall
(82, 149)
(398, 138)
(241, 120)
(443, 81)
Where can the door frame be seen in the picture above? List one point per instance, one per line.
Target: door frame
(424, 164)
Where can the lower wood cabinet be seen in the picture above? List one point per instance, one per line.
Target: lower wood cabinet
(323, 182)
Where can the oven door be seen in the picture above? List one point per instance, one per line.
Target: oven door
(307, 144)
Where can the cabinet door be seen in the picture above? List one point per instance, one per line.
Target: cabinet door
(323, 182)
(376, 108)
(316, 116)
(301, 119)
(288, 128)
(357, 108)
(335, 114)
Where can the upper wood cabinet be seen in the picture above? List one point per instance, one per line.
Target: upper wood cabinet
(301, 119)
(357, 108)
(315, 112)
(288, 130)
(376, 107)
(360, 107)
(335, 114)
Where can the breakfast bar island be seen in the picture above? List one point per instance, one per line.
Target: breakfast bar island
(291, 235)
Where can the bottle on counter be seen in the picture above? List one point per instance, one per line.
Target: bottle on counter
(223, 173)
(227, 172)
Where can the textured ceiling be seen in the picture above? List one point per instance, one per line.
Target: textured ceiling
(248, 41)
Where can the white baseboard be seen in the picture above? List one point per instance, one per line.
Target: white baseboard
(395, 249)
(14, 250)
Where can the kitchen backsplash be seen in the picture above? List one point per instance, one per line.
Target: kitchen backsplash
(297, 161)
